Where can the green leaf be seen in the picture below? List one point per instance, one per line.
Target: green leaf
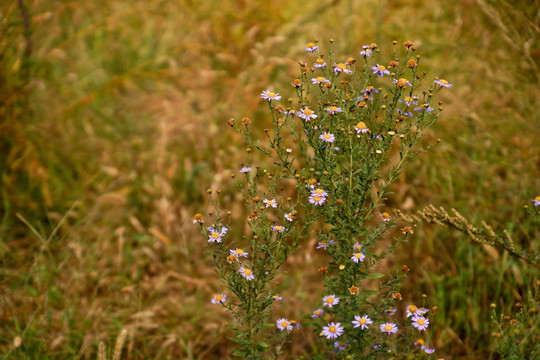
(374, 276)
(262, 344)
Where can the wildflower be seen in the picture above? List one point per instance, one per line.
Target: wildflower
(307, 114)
(385, 217)
(411, 64)
(366, 52)
(334, 109)
(443, 83)
(239, 253)
(245, 170)
(341, 68)
(319, 192)
(270, 203)
(246, 273)
(290, 217)
(296, 83)
(319, 63)
(341, 267)
(311, 47)
(357, 257)
(380, 70)
(428, 350)
(391, 311)
(422, 311)
(412, 310)
(410, 100)
(357, 246)
(420, 322)
(219, 298)
(368, 92)
(362, 321)
(350, 61)
(284, 324)
(296, 324)
(536, 201)
(317, 313)
(215, 235)
(332, 330)
(330, 300)
(389, 328)
(327, 137)
(407, 230)
(198, 219)
(340, 345)
(361, 127)
(354, 290)
(268, 95)
(402, 82)
(278, 228)
(324, 244)
(317, 199)
(276, 298)
(424, 107)
(419, 342)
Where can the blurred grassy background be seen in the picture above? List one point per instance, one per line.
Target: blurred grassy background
(113, 123)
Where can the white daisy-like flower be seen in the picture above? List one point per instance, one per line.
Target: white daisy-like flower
(443, 83)
(380, 70)
(420, 322)
(357, 246)
(327, 137)
(385, 217)
(268, 95)
(319, 80)
(362, 321)
(245, 170)
(317, 199)
(412, 310)
(330, 300)
(338, 68)
(219, 299)
(311, 48)
(270, 203)
(284, 324)
(358, 257)
(319, 192)
(215, 234)
(366, 51)
(278, 228)
(402, 82)
(317, 313)
(334, 109)
(361, 127)
(239, 253)
(427, 350)
(289, 217)
(319, 63)
(389, 328)
(246, 273)
(306, 114)
(332, 330)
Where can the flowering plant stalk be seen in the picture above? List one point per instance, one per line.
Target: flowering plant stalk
(345, 139)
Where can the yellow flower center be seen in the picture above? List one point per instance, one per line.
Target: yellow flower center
(219, 297)
(319, 78)
(319, 61)
(317, 198)
(358, 255)
(387, 327)
(382, 68)
(402, 82)
(279, 228)
(284, 324)
(271, 94)
(362, 321)
(420, 321)
(420, 342)
(333, 108)
(319, 191)
(270, 202)
(247, 272)
(537, 198)
(361, 125)
(330, 300)
(358, 247)
(308, 112)
(444, 82)
(318, 312)
(341, 66)
(239, 252)
(369, 87)
(215, 235)
(332, 329)
(327, 136)
(385, 215)
(310, 45)
(413, 308)
(232, 257)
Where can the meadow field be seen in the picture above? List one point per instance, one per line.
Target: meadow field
(113, 125)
